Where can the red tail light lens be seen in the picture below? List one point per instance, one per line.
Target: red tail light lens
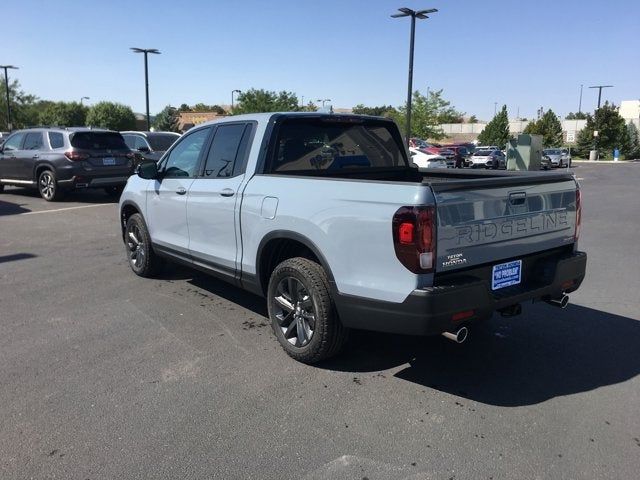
(414, 238)
(75, 156)
(578, 213)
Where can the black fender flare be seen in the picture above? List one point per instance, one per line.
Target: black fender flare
(290, 235)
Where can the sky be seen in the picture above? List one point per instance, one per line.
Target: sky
(525, 54)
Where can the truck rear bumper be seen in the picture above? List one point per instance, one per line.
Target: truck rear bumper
(464, 297)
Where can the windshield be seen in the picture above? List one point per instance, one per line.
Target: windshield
(317, 144)
(483, 153)
(162, 141)
(551, 151)
(98, 141)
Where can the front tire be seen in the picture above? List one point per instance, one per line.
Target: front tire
(302, 313)
(48, 186)
(140, 255)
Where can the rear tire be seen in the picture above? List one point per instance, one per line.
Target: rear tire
(142, 259)
(302, 313)
(48, 186)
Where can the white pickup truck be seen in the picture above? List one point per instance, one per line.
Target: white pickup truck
(325, 216)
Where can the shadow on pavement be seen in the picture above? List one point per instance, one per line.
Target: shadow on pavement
(543, 354)
(15, 257)
(10, 208)
(217, 287)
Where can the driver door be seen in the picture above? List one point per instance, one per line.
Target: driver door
(167, 195)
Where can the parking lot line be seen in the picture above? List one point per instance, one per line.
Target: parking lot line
(67, 208)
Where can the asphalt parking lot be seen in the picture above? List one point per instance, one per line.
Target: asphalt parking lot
(107, 375)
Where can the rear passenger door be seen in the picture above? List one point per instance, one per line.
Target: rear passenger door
(214, 200)
(167, 196)
(29, 155)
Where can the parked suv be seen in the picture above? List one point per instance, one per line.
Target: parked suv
(461, 154)
(55, 160)
(150, 145)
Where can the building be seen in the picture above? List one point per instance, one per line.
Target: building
(468, 132)
(187, 120)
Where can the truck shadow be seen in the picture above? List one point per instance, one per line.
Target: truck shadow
(543, 354)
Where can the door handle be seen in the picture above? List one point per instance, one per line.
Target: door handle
(227, 192)
(181, 191)
(36, 156)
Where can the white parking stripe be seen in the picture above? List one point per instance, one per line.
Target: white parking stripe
(67, 208)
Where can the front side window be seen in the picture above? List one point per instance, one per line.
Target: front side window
(14, 142)
(161, 142)
(312, 145)
(130, 140)
(182, 161)
(33, 141)
(56, 140)
(141, 143)
(224, 150)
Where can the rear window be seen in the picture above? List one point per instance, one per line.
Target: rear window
(98, 141)
(312, 145)
(161, 142)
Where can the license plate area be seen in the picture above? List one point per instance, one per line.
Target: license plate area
(108, 161)
(506, 274)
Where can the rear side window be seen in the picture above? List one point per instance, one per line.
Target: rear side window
(130, 140)
(161, 141)
(56, 140)
(224, 151)
(33, 141)
(14, 142)
(98, 141)
(313, 145)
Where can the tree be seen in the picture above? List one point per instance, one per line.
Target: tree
(632, 147)
(496, 132)
(202, 107)
(23, 106)
(113, 116)
(360, 109)
(426, 115)
(63, 114)
(576, 116)
(261, 100)
(310, 107)
(611, 128)
(549, 127)
(167, 120)
(473, 119)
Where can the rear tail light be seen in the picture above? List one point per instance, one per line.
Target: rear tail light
(414, 238)
(130, 155)
(75, 156)
(578, 213)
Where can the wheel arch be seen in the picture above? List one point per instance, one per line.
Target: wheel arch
(280, 245)
(127, 209)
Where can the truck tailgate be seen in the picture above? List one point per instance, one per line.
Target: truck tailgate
(488, 220)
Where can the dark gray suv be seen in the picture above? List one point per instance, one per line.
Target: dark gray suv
(56, 160)
(150, 145)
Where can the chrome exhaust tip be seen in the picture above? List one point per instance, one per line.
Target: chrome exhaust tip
(560, 302)
(459, 336)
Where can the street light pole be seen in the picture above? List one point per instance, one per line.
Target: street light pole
(421, 14)
(580, 102)
(6, 87)
(232, 92)
(600, 87)
(323, 101)
(146, 51)
(83, 98)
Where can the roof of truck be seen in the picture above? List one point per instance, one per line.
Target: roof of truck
(265, 117)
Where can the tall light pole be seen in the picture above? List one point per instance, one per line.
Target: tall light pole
(580, 102)
(6, 87)
(495, 108)
(323, 101)
(146, 51)
(83, 98)
(421, 14)
(600, 87)
(232, 92)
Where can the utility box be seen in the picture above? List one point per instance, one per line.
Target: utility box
(525, 152)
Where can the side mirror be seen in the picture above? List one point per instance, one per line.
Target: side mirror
(413, 154)
(144, 149)
(147, 170)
